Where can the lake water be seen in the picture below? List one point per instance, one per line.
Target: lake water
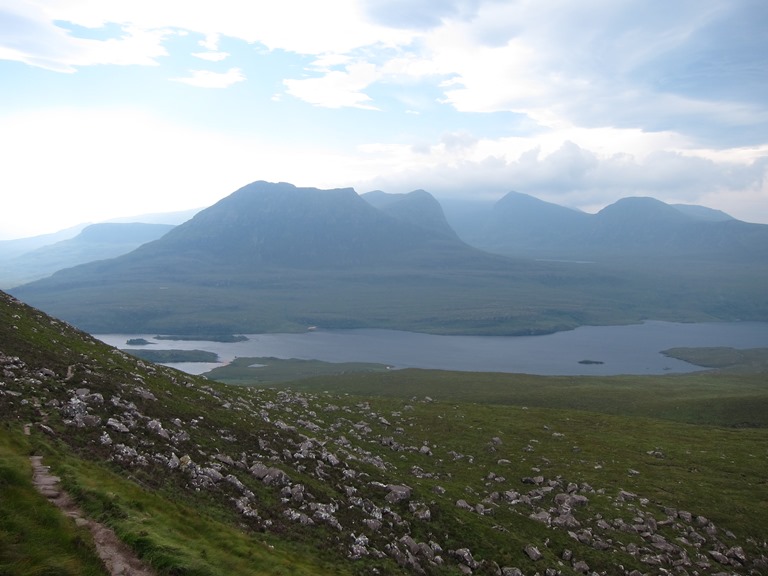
(633, 349)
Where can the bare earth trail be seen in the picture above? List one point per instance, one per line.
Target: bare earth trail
(116, 556)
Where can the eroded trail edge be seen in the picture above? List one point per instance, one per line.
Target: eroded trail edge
(116, 556)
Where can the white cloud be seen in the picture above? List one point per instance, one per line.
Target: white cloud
(66, 166)
(301, 26)
(337, 88)
(577, 176)
(211, 56)
(619, 98)
(208, 79)
(28, 34)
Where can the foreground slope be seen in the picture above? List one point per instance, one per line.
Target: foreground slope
(200, 478)
(274, 257)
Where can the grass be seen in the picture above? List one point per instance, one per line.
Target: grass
(736, 400)
(35, 538)
(729, 359)
(262, 370)
(676, 441)
(176, 538)
(167, 356)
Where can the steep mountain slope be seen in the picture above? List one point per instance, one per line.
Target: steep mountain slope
(200, 478)
(94, 242)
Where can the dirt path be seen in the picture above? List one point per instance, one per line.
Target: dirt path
(117, 557)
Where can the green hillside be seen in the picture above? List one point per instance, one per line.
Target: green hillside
(199, 477)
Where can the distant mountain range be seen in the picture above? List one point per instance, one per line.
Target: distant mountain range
(636, 227)
(275, 257)
(94, 242)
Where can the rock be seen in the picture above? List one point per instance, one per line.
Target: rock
(532, 552)
(463, 505)
(117, 426)
(276, 476)
(464, 556)
(372, 524)
(719, 557)
(541, 516)
(90, 420)
(581, 567)
(737, 553)
(397, 493)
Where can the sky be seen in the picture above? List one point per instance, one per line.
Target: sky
(110, 108)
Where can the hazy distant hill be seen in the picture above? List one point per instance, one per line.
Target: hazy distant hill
(636, 227)
(95, 242)
(274, 257)
(418, 207)
(18, 246)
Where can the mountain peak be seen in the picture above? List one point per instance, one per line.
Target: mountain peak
(418, 208)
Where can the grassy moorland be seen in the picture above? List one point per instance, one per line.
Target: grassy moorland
(365, 474)
(265, 371)
(733, 400)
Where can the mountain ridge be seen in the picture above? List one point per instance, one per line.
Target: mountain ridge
(275, 257)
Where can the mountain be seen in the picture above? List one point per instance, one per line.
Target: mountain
(175, 218)
(282, 225)
(636, 227)
(13, 248)
(191, 476)
(278, 258)
(703, 213)
(419, 208)
(519, 220)
(94, 242)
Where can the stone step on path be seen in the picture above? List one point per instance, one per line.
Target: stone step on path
(118, 559)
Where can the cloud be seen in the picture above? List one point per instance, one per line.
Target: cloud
(417, 14)
(579, 177)
(66, 166)
(211, 56)
(28, 35)
(594, 99)
(208, 79)
(337, 88)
